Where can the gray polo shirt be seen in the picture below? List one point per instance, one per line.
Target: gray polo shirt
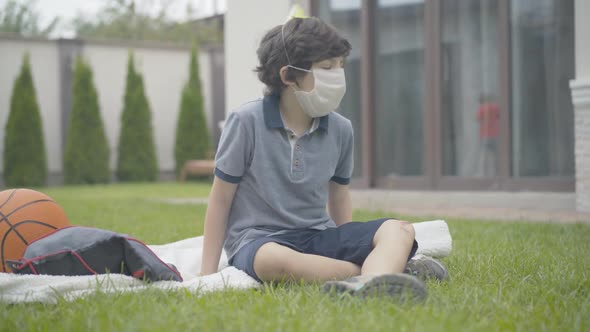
(283, 179)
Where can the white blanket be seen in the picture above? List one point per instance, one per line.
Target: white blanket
(433, 237)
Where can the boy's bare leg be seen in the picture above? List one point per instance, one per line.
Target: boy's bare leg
(392, 244)
(275, 262)
(381, 271)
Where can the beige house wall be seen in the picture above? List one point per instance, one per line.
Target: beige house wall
(164, 73)
(246, 22)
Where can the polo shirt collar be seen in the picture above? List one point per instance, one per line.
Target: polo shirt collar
(272, 115)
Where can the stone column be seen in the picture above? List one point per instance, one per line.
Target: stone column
(68, 50)
(581, 100)
(580, 88)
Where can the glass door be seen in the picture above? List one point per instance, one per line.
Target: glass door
(345, 15)
(542, 110)
(470, 109)
(399, 64)
(460, 94)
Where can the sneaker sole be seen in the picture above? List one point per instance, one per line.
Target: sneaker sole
(424, 269)
(400, 286)
(336, 288)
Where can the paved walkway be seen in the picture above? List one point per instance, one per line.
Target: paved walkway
(504, 206)
(501, 206)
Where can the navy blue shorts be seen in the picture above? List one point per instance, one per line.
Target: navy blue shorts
(351, 242)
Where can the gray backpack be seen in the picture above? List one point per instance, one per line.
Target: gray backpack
(84, 251)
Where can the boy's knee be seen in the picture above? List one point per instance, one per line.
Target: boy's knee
(395, 228)
(408, 228)
(269, 263)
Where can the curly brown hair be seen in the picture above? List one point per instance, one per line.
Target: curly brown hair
(306, 40)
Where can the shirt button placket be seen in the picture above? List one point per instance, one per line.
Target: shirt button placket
(297, 160)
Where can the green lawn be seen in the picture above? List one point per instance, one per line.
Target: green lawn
(504, 277)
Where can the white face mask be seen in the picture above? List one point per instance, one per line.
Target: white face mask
(329, 88)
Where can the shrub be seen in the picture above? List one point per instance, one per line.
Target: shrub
(25, 160)
(86, 157)
(136, 150)
(192, 134)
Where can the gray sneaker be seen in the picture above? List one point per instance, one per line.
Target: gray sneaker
(402, 287)
(348, 286)
(426, 268)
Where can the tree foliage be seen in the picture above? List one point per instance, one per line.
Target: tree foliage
(136, 150)
(192, 134)
(126, 19)
(86, 157)
(25, 161)
(21, 17)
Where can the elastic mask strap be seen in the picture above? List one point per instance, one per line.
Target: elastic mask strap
(287, 54)
(298, 68)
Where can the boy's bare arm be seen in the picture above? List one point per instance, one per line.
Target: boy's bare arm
(339, 204)
(220, 200)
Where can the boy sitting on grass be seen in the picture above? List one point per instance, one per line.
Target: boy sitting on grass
(282, 159)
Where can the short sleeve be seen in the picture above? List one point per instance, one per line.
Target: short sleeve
(345, 165)
(234, 150)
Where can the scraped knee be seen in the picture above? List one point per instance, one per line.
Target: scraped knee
(392, 228)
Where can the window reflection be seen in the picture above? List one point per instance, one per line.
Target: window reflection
(345, 16)
(542, 38)
(470, 112)
(399, 67)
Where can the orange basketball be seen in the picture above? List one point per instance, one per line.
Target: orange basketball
(25, 215)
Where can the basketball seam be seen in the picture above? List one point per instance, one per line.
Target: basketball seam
(13, 228)
(9, 198)
(35, 221)
(10, 228)
(31, 203)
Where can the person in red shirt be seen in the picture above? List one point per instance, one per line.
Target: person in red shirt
(488, 116)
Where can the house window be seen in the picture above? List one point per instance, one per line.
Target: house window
(470, 111)
(345, 16)
(542, 54)
(399, 88)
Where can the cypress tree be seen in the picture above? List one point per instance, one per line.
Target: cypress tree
(25, 160)
(86, 157)
(192, 134)
(136, 150)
